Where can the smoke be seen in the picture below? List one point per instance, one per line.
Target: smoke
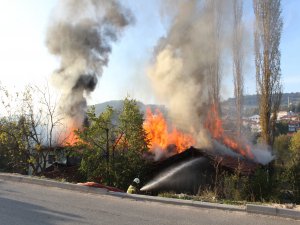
(188, 65)
(187, 62)
(160, 153)
(81, 33)
(262, 154)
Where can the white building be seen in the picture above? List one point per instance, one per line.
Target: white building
(254, 118)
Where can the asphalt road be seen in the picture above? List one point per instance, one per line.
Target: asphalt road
(27, 204)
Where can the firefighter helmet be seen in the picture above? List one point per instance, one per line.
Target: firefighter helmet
(136, 180)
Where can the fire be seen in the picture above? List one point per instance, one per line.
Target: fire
(161, 136)
(215, 127)
(71, 137)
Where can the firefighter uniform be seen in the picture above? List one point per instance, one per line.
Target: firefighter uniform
(131, 190)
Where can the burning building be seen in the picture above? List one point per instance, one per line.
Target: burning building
(194, 170)
(185, 74)
(188, 169)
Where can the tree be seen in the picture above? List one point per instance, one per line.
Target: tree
(97, 141)
(237, 50)
(293, 170)
(281, 127)
(281, 147)
(287, 167)
(15, 145)
(268, 28)
(13, 152)
(213, 8)
(113, 146)
(134, 141)
(42, 123)
(295, 144)
(30, 129)
(51, 124)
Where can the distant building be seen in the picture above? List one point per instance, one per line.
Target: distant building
(253, 123)
(294, 126)
(254, 118)
(291, 118)
(281, 114)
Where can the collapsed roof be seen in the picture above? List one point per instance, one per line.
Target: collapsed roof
(195, 169)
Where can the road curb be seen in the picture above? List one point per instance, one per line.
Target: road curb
(268, 210)
(178, 201)
(51, 183)
(250, 208)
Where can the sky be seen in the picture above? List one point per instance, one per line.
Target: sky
(24, 58)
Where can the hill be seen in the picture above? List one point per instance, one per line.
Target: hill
(118, 104)
(228, 106)
(251, 103)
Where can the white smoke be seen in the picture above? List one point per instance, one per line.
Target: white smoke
(262, 154)
(181, 72)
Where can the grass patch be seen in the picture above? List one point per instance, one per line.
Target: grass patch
(205, 197)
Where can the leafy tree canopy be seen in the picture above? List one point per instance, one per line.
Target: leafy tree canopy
(113, 145)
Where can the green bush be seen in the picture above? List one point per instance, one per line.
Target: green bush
(260, 185)
(235, 187)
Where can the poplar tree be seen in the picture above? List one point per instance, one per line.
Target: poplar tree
(238, 56)
(267, 34)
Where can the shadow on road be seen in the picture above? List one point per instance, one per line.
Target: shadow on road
(16, 212)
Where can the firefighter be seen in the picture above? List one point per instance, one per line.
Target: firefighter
(132, 189)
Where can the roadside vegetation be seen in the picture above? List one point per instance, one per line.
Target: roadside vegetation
(113, 150)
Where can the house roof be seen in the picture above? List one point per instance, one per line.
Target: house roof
(244, 166)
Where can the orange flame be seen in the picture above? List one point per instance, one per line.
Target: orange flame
(71, 137)
(215, 127)
(160, 136)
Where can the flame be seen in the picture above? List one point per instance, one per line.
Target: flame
(71, 138)
(160, 135)
(215, 127)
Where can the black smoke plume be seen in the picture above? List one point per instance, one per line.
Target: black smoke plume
(80, 34)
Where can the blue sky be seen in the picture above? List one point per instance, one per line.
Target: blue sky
(25, 59)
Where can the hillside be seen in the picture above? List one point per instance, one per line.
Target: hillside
(251, 101)
(228, 107)
(118, 104)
